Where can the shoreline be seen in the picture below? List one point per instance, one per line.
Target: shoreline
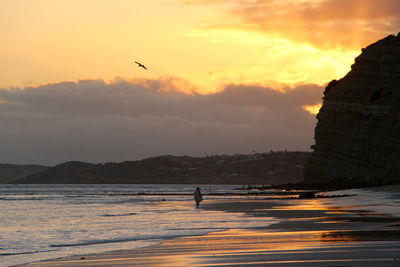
(309, 232)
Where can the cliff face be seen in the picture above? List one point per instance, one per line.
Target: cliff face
(357, 137)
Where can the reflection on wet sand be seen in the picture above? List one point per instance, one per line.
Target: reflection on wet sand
(375, 235)
(244, 247)
(315, 232)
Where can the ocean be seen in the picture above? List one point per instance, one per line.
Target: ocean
(39, 222)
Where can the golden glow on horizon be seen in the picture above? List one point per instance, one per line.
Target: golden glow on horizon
(313, 109)
(261, 59)
(51, 41)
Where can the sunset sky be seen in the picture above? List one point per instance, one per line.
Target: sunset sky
(223, 76)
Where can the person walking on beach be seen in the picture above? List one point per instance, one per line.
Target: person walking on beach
(197, 197)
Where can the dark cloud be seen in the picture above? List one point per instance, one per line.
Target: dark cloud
(326, 23)
(96, 121)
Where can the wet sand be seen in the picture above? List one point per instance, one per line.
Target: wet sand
(310, 233)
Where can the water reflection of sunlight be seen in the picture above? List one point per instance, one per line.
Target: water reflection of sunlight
(368, 201)
(311, 204)
(246, 240)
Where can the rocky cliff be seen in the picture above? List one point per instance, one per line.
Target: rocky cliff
(357, 137)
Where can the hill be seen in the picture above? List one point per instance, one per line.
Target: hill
(261, 168)
(9, 173)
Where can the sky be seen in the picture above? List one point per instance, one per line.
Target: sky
(232, 76)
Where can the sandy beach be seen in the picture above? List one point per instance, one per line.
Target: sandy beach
(310, 232)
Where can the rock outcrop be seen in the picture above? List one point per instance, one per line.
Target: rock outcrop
(357, 137)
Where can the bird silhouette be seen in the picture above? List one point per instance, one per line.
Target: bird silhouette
(140, 65)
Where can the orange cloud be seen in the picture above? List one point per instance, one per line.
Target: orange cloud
(323, 23)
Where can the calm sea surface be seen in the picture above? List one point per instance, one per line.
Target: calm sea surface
(40, 222)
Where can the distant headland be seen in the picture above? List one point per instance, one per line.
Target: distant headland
(274, 167)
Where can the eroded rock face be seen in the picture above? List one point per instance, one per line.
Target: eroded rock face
(357, 137)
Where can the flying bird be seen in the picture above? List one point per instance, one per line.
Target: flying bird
(140, 65)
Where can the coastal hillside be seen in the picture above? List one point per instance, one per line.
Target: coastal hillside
(12, 172)
(358, 129)
(260, 168)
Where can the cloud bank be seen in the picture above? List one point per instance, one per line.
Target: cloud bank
(95, 121)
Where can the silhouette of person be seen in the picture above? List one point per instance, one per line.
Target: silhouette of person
(197, 197)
